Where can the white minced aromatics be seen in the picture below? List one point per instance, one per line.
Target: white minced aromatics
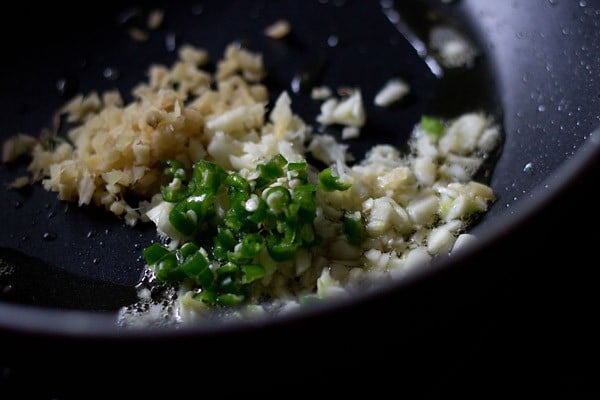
(393, 91)
(413, 206)
(279, 29)
(320, 93)
(115, 148)
(452, 47)
(349, 111)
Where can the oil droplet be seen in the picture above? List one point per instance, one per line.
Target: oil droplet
(51, 214)
(67, 86)
(171, 41)
(332, 41)
(582, 3)
(96, 260)
(541, 108)
(49, 236)
(305, 80)
(90, 234)
(112, 74)
(528, 168)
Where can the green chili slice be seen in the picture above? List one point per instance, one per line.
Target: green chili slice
(331, 183)
(432, 125)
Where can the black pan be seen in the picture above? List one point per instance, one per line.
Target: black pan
(537, 73)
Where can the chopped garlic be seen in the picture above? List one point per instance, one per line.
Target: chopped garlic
(393, 91)
(320, 93)
(350, 132)
(279, 29)
(349, 112)
(453, 48)
(463, 134)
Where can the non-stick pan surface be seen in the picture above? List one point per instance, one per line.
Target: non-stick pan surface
(537, 74)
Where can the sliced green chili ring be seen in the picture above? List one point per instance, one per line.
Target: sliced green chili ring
(223, 242)
(230, 284)
(205, 278)
(166, 268)
(252, 272)
(236, 217)
(270, 221)
(208, 177)
(194, 265)
(280, 250)
(252, 243)
(331, 183)
(260, 213)
(354, 229)
(188, 249)
(154, 252)
(304, 196)
(277, 197)
(270, 171)
(230, 299)
(238, 203)
(174, 195)
(291, 213)
(174, 169)
(307, 234)
(235, 222)
(203, 206)
(236, 183)
(298, 171)
(226, 270)
(206, 296)
(432, 125)
(181, 220)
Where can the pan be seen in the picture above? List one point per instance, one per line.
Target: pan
(71, 268)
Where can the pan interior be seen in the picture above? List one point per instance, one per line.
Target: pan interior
(99, 258)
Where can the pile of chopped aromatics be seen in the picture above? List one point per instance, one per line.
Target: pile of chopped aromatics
(242, 216)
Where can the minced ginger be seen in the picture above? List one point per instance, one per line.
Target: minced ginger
(114, 149)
